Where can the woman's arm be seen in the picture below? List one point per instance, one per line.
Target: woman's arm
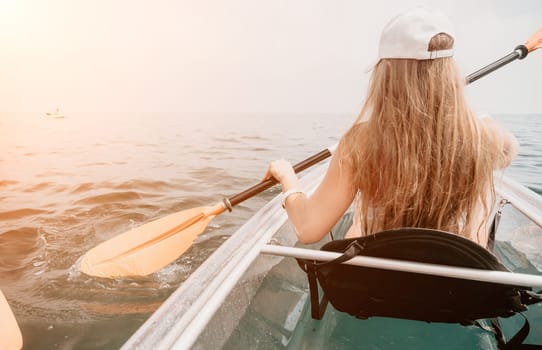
(505, 142)
(314, 216)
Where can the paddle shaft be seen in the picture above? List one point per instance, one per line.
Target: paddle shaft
(262, 186)
(520, 52)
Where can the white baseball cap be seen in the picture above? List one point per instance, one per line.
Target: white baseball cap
(408, 35)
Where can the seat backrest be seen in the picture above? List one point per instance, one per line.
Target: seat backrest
(364, 292)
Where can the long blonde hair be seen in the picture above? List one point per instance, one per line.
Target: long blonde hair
(421, 160)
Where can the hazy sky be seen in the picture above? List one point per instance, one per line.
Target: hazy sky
(273, 56)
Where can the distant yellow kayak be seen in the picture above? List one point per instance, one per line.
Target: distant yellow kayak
(10, 334)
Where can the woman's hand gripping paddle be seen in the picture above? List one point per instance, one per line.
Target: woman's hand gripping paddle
(148, 248)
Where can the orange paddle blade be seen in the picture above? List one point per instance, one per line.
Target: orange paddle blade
(10, 334)
(147, 248)
(534, 42)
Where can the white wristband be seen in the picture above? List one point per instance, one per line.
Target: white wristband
(288, 193)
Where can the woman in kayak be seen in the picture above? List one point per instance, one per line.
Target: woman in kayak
(416, 156)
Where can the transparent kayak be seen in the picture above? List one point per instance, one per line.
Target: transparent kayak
(251, 294)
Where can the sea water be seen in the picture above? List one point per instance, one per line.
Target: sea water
(70, 183)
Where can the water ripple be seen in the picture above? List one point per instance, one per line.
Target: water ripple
(112, 197)
(18, 249)
(21, 213)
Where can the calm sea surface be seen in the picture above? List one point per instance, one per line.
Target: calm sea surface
(68, 184)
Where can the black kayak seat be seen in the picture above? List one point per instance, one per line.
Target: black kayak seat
(364, 292)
